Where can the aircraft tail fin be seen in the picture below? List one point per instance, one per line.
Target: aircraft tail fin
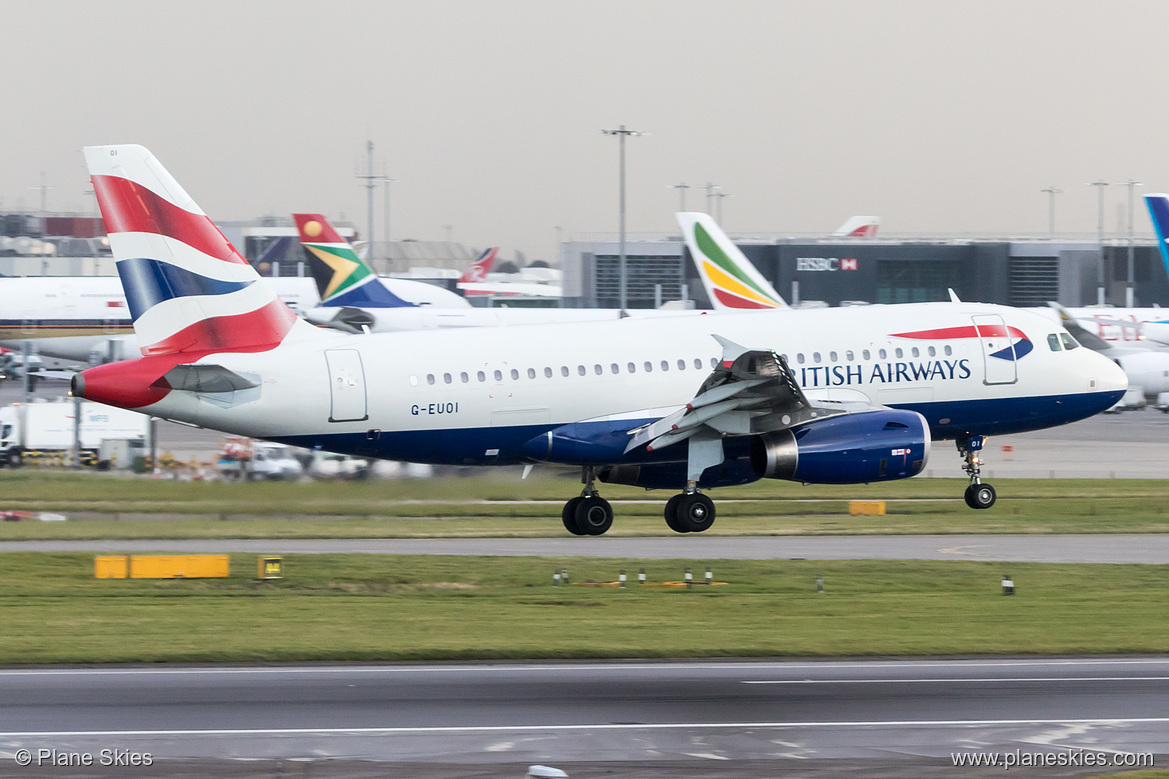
(187, 287)
(478, 270)
(1159, 212)
(343, 279)
(858, 227)
(731, 281)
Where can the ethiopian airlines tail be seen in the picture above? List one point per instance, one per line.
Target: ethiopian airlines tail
(858, 227)
(187, 287)
(731, 281)
(478, 270)
(343, 279)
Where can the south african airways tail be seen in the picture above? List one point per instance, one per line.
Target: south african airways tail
(342, 278)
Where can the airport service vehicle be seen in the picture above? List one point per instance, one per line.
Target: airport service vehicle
(329, 466)
(34, 428)
(1132, 400)
(685, 403)
(245, 460)
(355, 300)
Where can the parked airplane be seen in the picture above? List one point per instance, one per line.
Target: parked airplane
(858, 227)
(478, 270)
(849, 395)
(85, 318)
(731, 280)
(353, 300)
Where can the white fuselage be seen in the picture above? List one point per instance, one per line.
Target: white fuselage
(476, 395)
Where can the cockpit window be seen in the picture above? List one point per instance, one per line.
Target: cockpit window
(1053, 342)
(1069, 343)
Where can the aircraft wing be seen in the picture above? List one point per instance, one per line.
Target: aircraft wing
(749, 393)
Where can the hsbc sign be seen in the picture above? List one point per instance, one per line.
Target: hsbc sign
(824, 263)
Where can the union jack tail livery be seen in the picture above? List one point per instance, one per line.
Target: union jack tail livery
(731, 281)
(480, 267)
(187, 287)
(342, 278)
(858, 227)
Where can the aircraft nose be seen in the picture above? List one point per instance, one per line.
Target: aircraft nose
(1109, 376)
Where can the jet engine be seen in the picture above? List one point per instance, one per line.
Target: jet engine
(847, 449)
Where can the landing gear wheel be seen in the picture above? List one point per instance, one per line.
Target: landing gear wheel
(695, 512)
(980, 496)
(568, 516)
(672, 514)
(594, 515)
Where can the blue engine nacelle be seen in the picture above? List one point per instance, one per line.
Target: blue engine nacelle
(846, 449)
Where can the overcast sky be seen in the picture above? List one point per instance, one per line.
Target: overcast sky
(937, 116)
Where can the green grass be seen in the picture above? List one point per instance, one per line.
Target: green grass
(378, 607)
(503, 506)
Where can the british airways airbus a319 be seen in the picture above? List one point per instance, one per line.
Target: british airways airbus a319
(686, 403)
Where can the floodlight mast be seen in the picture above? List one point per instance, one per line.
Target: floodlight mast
(1100, 185)
(1129, 296)
(621, 133)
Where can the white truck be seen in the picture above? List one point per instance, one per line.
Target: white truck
(48, 427)
(243, 459)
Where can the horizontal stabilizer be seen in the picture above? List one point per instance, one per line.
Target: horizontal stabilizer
(205, 378)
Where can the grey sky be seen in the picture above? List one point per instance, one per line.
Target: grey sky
(937, 116)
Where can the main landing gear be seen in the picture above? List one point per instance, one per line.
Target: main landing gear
(978, 495)
(690, 511)
(589, 514)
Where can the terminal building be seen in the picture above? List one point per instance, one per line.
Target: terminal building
(1016, 273)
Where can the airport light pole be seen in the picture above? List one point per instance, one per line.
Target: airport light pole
(1051, 193)
(622, 133)
(371, 180)
(1128, 292)
(1100, 185)
(448, 229)
(718, 204)
(386, 182)
(681, 194)
(710, 188)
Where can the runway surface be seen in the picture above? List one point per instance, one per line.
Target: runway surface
(741, 718)
(1097, 548)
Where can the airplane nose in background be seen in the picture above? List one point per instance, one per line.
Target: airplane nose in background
(1109, 376)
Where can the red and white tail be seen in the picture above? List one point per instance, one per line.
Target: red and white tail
(858, 227)
(480, 267)
(187, 287)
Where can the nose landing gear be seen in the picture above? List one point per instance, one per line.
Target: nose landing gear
(978, 495)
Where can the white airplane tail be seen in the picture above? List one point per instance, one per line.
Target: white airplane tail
(731, 281)
(858, 227)
(187, 287)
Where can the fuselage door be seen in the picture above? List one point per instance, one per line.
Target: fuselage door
(998, 350)
(346, 386)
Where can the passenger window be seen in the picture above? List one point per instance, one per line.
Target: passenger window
(580, 369)
(915, 352)
(446, 378)
(883, 354)
(615, 368)
(948, 350)
(1069, 343)
(713, 363)
(430, 378)
(800, 358)
(831, 356)
(481, 376)
(498, 375)
(899, 353)
(681, 365)
(413, 380)
(865, 354)
(649, 366)
(464, 377)
(816, 357)
(597, 369)
(547, 373)
(933, 352)
(665, 365)
(531, 373)
(514, 374)
(631, 368)
(697, 364)
(564, 371)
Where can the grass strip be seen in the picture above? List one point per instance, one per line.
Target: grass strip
(382, 607)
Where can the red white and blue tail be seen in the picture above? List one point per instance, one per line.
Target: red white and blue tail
(187, 287)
